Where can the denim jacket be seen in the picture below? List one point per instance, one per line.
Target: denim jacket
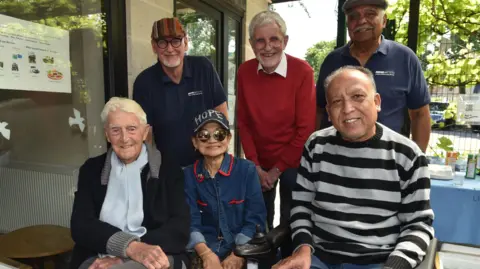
(225, 209)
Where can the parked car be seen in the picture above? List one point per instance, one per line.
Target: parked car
(437, 113)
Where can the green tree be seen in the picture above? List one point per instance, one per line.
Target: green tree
(201, 32)
(64, 14)
(316, 54)
(448, 39)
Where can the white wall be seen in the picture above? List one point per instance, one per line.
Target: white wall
(253, 7)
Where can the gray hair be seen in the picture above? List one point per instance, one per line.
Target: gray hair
(339, 71)
(124, 104)
(267, 17)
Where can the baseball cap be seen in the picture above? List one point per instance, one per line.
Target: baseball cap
(349, 4)
(210, 116)
(167, 27)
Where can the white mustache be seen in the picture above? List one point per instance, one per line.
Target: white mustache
(362, 28)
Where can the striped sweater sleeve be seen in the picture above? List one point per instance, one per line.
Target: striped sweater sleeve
(302, 197)
(415, 215)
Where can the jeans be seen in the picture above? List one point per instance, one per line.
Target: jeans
(287, 181)
(317, 264)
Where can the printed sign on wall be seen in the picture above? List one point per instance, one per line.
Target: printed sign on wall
(34, 57)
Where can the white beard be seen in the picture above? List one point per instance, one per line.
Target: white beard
(268, 62)
(171, 64)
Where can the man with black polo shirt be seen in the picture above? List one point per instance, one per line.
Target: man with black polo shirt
(397, 70)
(175, 89)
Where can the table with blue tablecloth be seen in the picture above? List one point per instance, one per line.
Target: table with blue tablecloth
(457, 210)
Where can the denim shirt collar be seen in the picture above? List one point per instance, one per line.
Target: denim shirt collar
(225, 168)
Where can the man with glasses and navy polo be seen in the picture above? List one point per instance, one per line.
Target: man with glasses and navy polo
(275, 111)
(175, 89)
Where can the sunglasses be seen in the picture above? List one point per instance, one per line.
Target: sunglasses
(219, 135)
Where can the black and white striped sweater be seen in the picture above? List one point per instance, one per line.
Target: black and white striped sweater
(365, 202)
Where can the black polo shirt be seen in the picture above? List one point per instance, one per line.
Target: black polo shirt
(171, 107)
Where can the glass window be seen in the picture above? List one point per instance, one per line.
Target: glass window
(202, 24)
(52, 89)
(202, 31)
(233, 33)
(51, 84)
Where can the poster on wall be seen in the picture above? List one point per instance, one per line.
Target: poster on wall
(34, 57)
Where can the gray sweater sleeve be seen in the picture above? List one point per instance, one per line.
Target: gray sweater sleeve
(117, 244)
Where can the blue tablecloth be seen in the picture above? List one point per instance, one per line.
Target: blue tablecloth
(457, 210)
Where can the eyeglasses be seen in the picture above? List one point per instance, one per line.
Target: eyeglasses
(219, 135)
(274, 42)
(175, 42)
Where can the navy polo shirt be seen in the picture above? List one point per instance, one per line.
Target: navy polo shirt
(398, 77)
(171, 107)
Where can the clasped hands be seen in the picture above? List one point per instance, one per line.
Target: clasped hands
(268, 179)
(150, 256)
(211, 261)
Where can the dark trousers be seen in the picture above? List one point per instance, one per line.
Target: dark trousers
(287, 182)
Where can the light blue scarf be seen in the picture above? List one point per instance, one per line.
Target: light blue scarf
(123, 205)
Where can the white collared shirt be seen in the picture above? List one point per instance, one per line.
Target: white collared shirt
(281, 68)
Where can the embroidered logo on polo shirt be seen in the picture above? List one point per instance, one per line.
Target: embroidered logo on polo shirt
(195, 93)
(385, 73)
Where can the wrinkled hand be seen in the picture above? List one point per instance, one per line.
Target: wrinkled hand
(211, 261)
(233, 262)
(273, 175)
(105, 263)
(264, 182)
(150, 256)
(301, 259)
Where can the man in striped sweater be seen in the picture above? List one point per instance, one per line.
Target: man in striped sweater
(362, 197)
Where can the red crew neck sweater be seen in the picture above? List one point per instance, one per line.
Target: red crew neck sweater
(275, 115)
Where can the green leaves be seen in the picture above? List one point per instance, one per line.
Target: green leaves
(448, 41)
(316, 54)
(202, 31)
(445, 143)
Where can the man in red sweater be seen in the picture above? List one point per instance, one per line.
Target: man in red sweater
(275, 110)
